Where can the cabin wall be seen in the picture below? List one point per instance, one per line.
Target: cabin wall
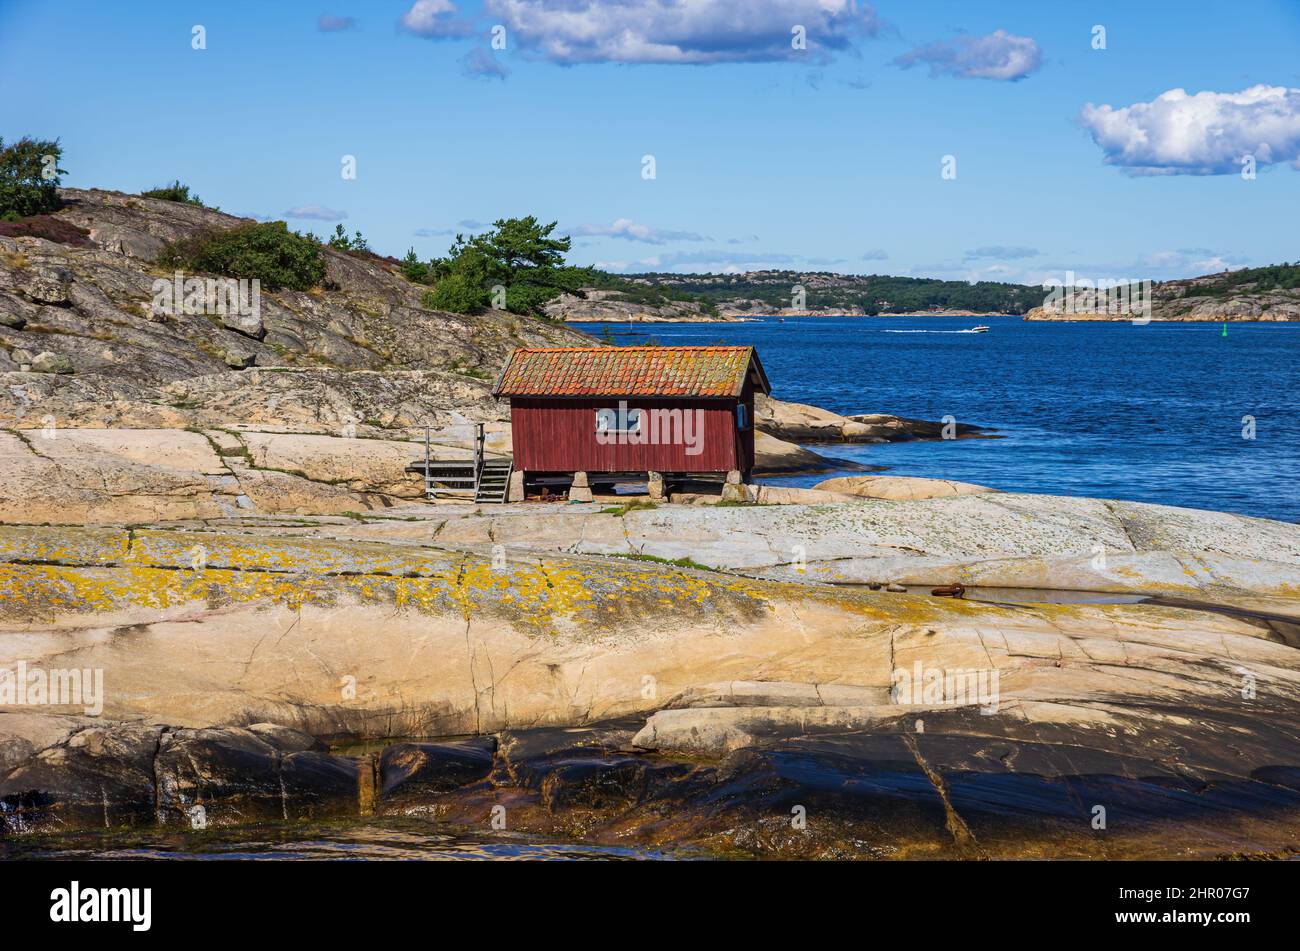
(745, 438)
(559, 435)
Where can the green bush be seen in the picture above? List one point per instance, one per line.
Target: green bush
(29, 178)
(456, 293)
(415, 270)
(269, 252)
(174, 192)
(340, 241)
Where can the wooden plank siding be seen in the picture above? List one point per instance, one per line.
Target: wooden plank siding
(559, 435)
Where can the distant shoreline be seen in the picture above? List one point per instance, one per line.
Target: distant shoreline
(1098, 318)
(1033, 317)
(735, 318)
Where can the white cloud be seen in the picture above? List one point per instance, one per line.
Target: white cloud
(434, 19)
(1186, 262)
(315, 213)
(1203, 134)
(683, 31)
(1000, 55)
(481, 63)
(629, 230)
(333, 24)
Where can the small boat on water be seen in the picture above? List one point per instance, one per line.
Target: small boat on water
(981, 329)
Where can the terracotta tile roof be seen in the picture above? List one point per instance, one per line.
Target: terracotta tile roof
(630, 371)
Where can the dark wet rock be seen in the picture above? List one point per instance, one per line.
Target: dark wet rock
(242, 775)
(591, 767)
(947, 789)
(413, 769)
(75, 773)
(92, 777)
(517, 749)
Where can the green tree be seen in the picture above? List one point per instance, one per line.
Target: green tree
(340, 241)
(519, 254)
(415, 270)
(29, 178)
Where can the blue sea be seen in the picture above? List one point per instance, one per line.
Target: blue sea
(1150, 413)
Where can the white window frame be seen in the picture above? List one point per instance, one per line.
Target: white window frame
(607, 421)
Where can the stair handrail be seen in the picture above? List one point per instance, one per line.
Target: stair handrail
(479, 441)
(427, 490)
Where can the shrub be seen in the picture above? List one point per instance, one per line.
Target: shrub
(174, 192)
(415, 270)
(268, 251)
(51, 229)
(339, 241)
(456, 293)
(29, 178)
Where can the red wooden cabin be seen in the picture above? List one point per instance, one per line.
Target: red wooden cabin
(678, 411)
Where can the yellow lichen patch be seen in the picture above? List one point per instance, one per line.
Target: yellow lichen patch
(539, 595)
(35, 543)
(62, 570)
(264, 553)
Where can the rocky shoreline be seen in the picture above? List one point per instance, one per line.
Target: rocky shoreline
(212, 531)
(614, 697)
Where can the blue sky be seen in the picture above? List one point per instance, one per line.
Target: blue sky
(824, 158)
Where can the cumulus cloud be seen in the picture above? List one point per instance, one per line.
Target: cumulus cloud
(1002, 252)
(481, 63)
(315, 213)
(1208, 133)
(682, 31)
(434, 20)
(1000, 55)
(876, 254)
(332, 24)
(1186, 262)
(629, 230)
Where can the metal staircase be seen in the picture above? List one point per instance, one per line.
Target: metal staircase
(493, 480)
(488, 478)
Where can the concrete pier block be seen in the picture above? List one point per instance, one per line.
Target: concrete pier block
(580, 491)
